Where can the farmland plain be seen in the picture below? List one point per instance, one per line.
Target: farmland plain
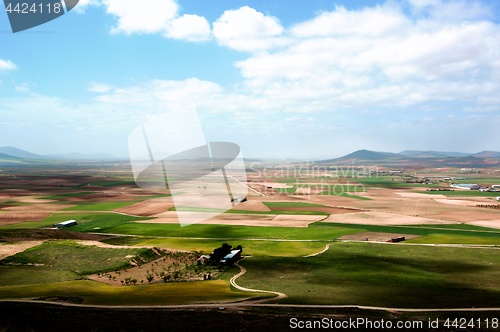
(447, 261)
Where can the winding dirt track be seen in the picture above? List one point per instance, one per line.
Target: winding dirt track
(319, 253)
(235, 285)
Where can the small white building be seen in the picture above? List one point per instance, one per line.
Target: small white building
(65, 224)
(466, 186)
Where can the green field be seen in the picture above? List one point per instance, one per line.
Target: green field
(99, 206)
(92, 292)
(252, 248)
(286, 190)
(114, 183)
(436, 234)
(68, 195)
(382, 275)
(346, 195)
(387, 182)
(281, 205)
(317, 232)
(86, 222)
(212, 210)
(65, 260)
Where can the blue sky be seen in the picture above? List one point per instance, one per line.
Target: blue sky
(301, 79)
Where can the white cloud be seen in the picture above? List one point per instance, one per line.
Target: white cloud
(144, 16)
(155, 16)
(160, 94)
(379, 57)
(377, 21)
(246, 29)
(189, 27)
(6, 65)
(99, 87)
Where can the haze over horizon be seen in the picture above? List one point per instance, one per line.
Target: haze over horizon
(288, 79)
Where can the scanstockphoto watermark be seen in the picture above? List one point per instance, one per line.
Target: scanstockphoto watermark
(356, 323)
(362, 323)
(27, 14)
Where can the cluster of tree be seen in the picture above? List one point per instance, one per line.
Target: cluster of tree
(490, 206)
(221, 252)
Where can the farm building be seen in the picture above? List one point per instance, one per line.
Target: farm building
(232, 257)
(466, 186)
(66, 224)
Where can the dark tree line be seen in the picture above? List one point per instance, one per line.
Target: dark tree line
(221, 252)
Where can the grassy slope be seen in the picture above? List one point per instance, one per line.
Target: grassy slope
(155, 294)
(382, 275)
(65, 260)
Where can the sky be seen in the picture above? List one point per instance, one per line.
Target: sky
(306, 79)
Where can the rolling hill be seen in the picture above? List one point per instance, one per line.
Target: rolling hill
(18, 153)
(418, 158)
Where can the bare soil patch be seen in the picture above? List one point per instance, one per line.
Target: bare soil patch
(264, 220)
(375, 236)
(148, 207)
(326, 209)
(25, 199)
(252, 206)
(381, 218)
(243, 219)
(38, 207)
(462, 202)
(272, 184)
(47, 234)
(418, 195)
(467, 216)
(9, 249)
(486, 223)
(7, 218)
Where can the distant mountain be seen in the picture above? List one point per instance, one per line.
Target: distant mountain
(9, 154)
(432, 154)
(366, 155)
(412, 158)
(487, 154)
(15, 152)
(84, 156)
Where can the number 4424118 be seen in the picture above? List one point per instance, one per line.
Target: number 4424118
(35, 8)
(478, 323)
